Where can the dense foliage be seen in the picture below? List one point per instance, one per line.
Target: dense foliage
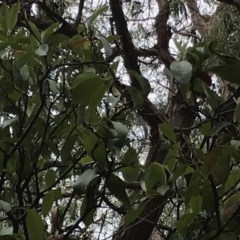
(119, 120)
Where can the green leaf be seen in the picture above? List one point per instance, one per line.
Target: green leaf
(68, 146)
(34, 225)
(5, 206)
(182, 170)
(117, 187)
(213, 99)
(206, 129)
(130, 157)
(48, 200)
(53, 86)
(8, 237)
(89, 217)
(217, 127)
(149, 180)
(196, 203)
(42, 50)
(208, 198)
(136, 96)
(50, 177)
(86, 160)
(115, 145)
(8, 122)
(211, 159)
(194, 59)
(183, 223)
(106, 131)
(232, 181)
(222, 168)
(229, 72)
(167, 130)
(234, 149)
(13, 15)
(12, 164)
(57, 40)
(182, 71)
(120, 128)
(130, 173)
(99, 154)
(172, 156)
(23, 58)
(155, 173)
(106, 45)
(88, 89)
(2, 161)
(163, 189)
(232, 201)
(34, 30)
(83, 180)
(24, 72)
(194, 187)
(134, 212)
(4, 53)
(230, 209)
(158, 172)
(236, 114)
(6, 233)
(142, 83)
(49, 31)
(88, 207)
(96, 13)
(47, 203)
(89, 140)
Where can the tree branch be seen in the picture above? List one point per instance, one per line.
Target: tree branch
(199, 22)
(142, 227)
(163, 32)
(231, 2)
(128, 49)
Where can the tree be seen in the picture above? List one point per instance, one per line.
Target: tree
(119, 120)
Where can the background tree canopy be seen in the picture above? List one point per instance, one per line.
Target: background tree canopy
(119, 119)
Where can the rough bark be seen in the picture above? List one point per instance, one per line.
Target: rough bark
(143, 227)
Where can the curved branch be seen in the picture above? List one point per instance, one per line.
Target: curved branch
(128, 49)
(130, 57)
(163, 32)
